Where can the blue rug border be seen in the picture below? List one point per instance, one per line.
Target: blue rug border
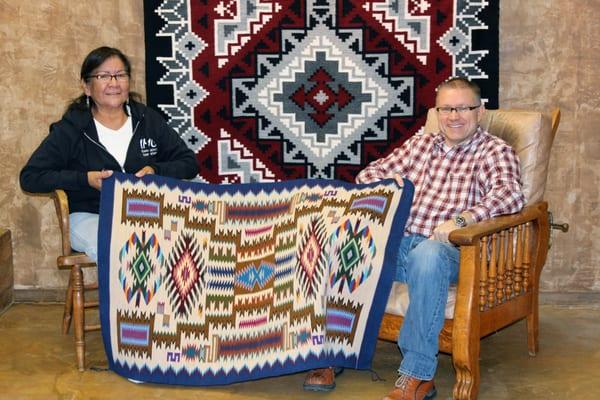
(219, 378)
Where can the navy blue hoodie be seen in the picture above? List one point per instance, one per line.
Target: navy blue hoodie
(72, 148)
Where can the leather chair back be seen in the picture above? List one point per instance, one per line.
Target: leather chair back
(529, 133)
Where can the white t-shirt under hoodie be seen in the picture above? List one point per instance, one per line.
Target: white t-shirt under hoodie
(116, 141)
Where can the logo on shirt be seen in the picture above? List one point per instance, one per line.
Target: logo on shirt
(148, 147)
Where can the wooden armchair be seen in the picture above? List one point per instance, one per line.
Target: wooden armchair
(500, 259)
(75, 304)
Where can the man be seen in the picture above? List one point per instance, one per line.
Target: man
(462, 175)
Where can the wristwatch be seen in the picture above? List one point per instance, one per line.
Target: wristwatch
(460, 221)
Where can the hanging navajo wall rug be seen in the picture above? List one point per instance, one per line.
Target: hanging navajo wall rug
(206, 284)
(266, 90)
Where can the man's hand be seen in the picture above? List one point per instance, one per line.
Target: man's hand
(442, 231)
(147, 170)
(399, 180)
(95, 178)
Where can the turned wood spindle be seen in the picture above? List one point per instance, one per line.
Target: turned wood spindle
(527, 257)
(483, 273)
(519, 261)
(501, 266)
(492, 273)
(509, 265)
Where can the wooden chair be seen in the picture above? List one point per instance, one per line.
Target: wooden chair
(500, 259)
(75, 303)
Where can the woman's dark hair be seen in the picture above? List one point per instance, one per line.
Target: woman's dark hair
(92, 61)
(98, 56)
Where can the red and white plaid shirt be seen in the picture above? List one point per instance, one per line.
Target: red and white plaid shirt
(481, 176)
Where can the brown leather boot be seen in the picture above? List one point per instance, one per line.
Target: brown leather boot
(320, 380)
(409, 388)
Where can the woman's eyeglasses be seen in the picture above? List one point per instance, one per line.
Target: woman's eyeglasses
(105, 77)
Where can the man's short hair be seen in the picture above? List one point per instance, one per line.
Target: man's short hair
(461, 83)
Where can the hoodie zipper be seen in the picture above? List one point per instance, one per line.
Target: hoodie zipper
(105, 149)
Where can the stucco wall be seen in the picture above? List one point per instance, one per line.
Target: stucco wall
(549, 55)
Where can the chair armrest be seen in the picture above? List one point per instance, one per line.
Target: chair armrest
(496, 268)
(471, 234)
(80, 259)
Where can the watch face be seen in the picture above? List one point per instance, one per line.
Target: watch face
(460, 221)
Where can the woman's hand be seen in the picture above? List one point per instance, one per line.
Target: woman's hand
(95, 178)
(147, 170)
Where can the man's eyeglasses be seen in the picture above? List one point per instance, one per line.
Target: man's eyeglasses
(459, 109)
(105, 77)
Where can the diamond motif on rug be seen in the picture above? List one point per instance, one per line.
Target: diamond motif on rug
(311, 258)
(141, 268)
(253, 278)
(141, 261)
(353, 251)
(185, 275)
(300, 96)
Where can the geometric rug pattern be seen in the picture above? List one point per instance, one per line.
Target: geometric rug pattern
(204, 284)
(268, 90)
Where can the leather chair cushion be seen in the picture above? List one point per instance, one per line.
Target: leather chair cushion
(398, 301)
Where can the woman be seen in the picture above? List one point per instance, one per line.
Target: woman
(102, 131)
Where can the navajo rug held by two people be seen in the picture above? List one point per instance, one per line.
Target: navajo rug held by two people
(213, 284)
(266, 90)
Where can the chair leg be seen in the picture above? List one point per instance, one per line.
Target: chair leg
(466, 364)
(78, 315)
(67, 313)
(533, 328)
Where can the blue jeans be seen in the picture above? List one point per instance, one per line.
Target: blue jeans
(427, 267)
(84, 233)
